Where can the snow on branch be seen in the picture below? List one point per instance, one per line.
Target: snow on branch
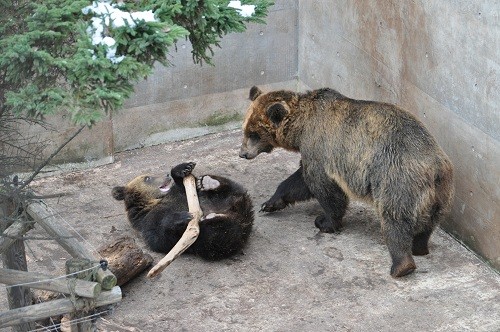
(106, 15)
(245, 10)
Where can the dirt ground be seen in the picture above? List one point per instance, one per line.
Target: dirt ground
(289, 278)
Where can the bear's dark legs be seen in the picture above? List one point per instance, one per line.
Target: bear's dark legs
(213, 244)
(290, 191)
(421, 240)
(420, 245)
(332, 199)
(399, 236)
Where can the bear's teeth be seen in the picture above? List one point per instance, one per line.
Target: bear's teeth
(164, 189)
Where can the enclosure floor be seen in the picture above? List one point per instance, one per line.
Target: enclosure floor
(290, 277)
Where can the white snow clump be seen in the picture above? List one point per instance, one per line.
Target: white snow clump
(245, 10)
(107, 14)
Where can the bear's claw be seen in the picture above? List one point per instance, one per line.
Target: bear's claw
(272, 206)
(326, 225)
(188, 169)
(402, 267)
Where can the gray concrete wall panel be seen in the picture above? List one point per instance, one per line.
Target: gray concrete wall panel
(265, 53)
(439, 60)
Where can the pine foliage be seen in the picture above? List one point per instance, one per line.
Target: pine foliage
(49, 62)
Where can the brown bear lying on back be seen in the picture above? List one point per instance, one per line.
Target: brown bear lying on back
(367, 150)
(157, 207)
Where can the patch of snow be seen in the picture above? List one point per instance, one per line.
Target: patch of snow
(245, 10)
(107, 14)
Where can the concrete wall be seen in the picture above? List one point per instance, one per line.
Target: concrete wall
(438, 59)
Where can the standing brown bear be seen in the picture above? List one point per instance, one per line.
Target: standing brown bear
(367, 150)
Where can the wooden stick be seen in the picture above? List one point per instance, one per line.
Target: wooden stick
(190, 234)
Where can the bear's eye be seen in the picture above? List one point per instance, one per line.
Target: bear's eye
(147, 179)
(254, 136)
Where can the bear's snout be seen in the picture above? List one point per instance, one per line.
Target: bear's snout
(245, 154)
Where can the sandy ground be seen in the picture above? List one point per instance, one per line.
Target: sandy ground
(289, 278)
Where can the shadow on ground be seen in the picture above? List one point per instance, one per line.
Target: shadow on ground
(290, 277)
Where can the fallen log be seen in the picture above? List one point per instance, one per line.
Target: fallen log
(125, 259)
(190, 234)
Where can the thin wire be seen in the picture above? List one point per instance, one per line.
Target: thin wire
(31, 250)
(88, 244)
(88, 318)
(60, 277)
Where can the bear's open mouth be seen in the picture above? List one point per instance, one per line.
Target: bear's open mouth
(165, 187)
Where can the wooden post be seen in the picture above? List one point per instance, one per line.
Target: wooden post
(14, 257)
(13, 232)
(106, 278)
(38, 211)
(74, 266)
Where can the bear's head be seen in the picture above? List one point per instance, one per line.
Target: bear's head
(265, 120)
(143, 191)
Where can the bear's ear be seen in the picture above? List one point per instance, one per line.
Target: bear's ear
(276, 112)
(118, 193)
(254, 93)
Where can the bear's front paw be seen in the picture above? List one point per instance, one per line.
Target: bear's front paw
(188, 169)
(183, 170)
(326, 225)
(271, 205)
(205, 183)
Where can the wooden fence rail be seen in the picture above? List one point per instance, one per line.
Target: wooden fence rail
(38, 211)
(99, 292)
(46, 282)
(56, 307)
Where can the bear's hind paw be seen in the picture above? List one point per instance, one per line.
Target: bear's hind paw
(206, 183)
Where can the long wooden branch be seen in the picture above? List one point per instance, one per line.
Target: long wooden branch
(190, 234)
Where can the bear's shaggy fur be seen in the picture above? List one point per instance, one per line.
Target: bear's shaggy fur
(157, 207)
(367, 150)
